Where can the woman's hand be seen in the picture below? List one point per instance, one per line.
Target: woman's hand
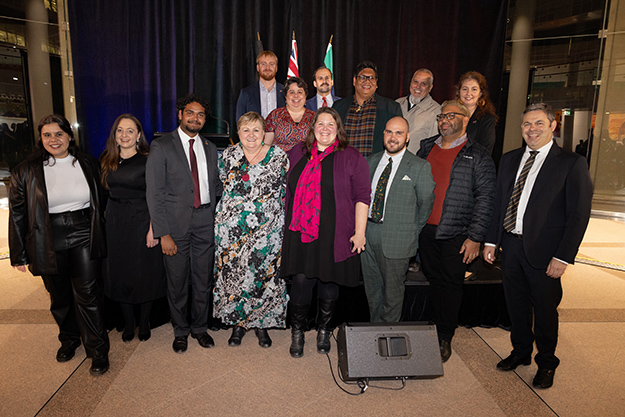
(358, 242)
(149, 239)
(21, 268)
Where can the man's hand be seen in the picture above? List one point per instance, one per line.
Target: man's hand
(556, 268)
(168, 245)
(470, 249)
(21, 268)
(489, 254)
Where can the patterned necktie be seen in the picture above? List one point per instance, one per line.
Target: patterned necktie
(325, 102)
(509, 222)
(380, 191)
(197, 201)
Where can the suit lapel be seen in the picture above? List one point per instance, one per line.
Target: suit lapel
(512, 170)
(402, 169)
(179, 150)
(373, 161)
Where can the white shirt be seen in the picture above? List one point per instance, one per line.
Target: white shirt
(66, 185)
(202, 165)
(378, 173)
(329, 100)
(268, 100)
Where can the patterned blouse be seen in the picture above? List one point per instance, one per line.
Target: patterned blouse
(287, 132)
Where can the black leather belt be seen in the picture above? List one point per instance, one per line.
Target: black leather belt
(514, 235)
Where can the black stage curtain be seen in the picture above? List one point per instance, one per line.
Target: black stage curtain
(139, 56)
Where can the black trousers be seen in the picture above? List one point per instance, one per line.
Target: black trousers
(76, 291)
(532, 298)
(193, 263)
(443, 267)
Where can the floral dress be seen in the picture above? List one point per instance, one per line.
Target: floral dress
(248, 238)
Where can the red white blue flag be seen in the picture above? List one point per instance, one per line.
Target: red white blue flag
(293, 65)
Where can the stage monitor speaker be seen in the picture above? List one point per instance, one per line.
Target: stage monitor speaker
(389, 351)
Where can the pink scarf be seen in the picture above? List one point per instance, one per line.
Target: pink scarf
(307, 199)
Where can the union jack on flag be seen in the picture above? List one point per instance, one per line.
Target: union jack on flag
(293, 65)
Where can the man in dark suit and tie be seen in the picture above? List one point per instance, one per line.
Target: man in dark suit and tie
(323, 82)
(265, 95)
(182, 190)
(402, 194)
(542, 209)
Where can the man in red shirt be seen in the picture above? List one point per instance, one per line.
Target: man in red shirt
(464, 174)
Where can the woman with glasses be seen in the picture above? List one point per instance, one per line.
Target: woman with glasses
(472, 90)
(287, 126)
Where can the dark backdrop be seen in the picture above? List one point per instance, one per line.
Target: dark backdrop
(138, 56)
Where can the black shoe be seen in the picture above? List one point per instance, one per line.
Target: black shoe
(544, 378)
(325, 313)
(264, 340)
(445, 348)
(203, 339)
(323, 341)
(511, 362)
(67, 351)
(128, 335)
(237, 334)
(299, 316)
(180, 344)
(99, 365)
(143, 336)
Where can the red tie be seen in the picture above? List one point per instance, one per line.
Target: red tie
(325, 102)
(197, 201)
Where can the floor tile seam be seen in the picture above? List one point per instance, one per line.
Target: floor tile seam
(497, 391)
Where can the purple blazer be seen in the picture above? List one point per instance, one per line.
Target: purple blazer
(352, 185)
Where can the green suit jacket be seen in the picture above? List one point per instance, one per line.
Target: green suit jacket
(408, 204)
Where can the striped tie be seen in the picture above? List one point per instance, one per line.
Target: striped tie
(380, 192)
(509, 222)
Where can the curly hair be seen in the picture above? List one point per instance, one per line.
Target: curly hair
(484, 104)
(192, 98)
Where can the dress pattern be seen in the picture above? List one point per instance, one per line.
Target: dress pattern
(248, 239)
(287, 132)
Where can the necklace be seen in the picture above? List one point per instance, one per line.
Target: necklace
(250, 161)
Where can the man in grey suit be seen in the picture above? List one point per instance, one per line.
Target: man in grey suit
(182, 190)
(402, 192)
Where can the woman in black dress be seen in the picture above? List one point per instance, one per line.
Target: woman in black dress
(136, 275)
(472, 90)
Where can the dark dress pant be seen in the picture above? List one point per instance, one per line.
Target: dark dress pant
(442, 265)
(532, 299)
(76, 290)
(192, 266)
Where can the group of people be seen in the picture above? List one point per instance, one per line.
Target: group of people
(320, 192)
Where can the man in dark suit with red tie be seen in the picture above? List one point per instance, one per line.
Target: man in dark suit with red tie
(542, 209)
(182, 188)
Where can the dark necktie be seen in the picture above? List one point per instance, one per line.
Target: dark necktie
(509, 222)
(325, 102)
(197, 201)
(380, 191)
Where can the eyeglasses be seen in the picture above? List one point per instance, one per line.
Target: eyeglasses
(448, 116)
(363, 78)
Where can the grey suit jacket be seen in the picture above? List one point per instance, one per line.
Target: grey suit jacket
(408, 204)
(169, 185)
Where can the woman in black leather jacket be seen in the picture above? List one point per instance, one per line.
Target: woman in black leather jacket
(56, 229)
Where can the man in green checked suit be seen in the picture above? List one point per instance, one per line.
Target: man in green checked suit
(402, 195)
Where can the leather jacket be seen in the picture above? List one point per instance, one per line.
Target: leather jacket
(30, 234)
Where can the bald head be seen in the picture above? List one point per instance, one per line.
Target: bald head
(396, 135)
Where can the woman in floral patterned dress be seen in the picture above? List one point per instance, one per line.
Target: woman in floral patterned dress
(249, 292)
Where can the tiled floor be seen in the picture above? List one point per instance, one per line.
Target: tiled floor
(147, 378)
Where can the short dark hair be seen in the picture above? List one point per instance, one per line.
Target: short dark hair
(544, 107)
(192, 98)
(323, 67)
(297, 81)
(341, 136)
(65, 127)
(365, 64)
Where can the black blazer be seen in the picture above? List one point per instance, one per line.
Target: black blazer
(249, 99)
(558, 209)
(30, 235)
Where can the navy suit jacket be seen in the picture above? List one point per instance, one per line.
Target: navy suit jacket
(311, 103)
(249, 98)
(558, 209)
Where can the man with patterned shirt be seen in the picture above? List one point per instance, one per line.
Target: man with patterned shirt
(365, 113)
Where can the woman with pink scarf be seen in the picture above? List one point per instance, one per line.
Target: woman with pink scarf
(328, 195)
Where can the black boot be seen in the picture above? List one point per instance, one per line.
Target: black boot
(299, 318)
(326, 311)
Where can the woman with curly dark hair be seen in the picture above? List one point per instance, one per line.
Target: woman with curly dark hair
(135, 274)
(472, 90)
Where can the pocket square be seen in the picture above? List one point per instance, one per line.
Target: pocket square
(406, 178)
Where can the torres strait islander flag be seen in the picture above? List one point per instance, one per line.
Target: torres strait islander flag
(293, 65)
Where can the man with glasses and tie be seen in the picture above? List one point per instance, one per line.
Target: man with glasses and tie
(420, 109)
(402, 192)
(323, 82)
(464, 173)
(542, 209)
(365, 113)
(182, 189)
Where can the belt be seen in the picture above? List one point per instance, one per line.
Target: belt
(514, 235)
(373, 221)
(77, 214)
